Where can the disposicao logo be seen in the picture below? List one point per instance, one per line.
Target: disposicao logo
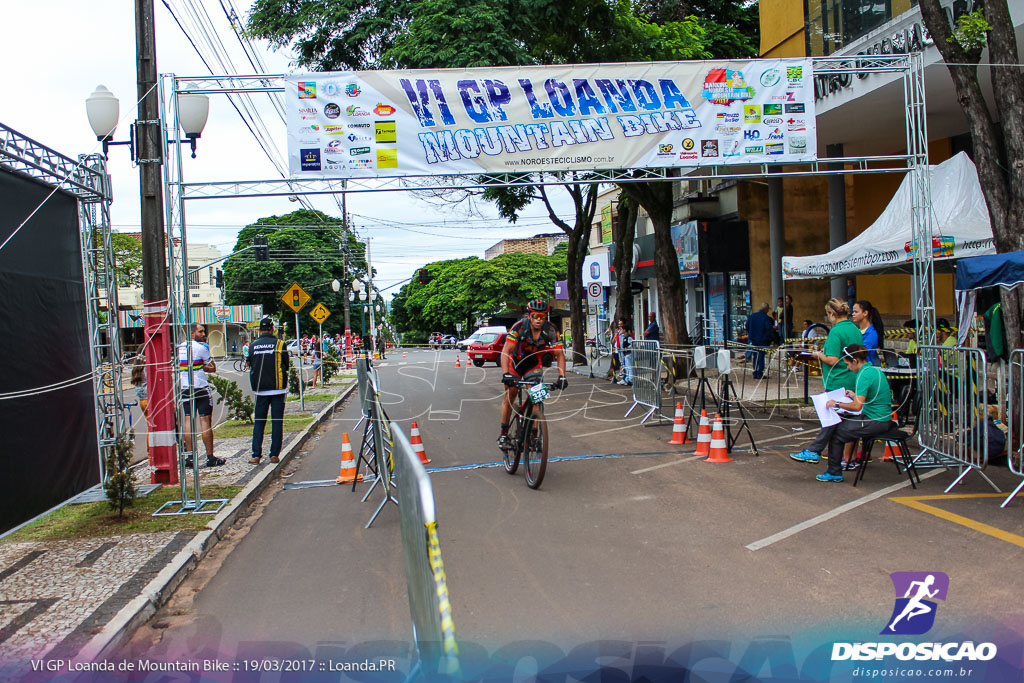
(913, 614)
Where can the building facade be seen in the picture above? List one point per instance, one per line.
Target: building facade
(544, 245)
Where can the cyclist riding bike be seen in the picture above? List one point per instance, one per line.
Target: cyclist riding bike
(530, 346)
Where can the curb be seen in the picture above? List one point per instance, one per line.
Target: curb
(159, 590)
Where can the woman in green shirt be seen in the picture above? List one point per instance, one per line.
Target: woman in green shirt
(843, 333)
(871, 396)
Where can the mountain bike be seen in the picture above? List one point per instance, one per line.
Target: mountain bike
(240, 364)
(528, 431)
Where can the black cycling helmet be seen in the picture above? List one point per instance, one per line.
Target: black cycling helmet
(538, 306)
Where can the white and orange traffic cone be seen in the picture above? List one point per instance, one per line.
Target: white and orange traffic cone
(703, 435)
(417, 443)
(348, 472)
(719, 448)
(679, 428)
(403, 355)
(457, 365)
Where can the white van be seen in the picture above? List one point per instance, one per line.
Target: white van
(464, 344)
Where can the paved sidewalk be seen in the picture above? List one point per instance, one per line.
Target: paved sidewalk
(75, 598)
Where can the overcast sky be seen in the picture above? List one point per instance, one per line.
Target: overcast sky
(56, 52)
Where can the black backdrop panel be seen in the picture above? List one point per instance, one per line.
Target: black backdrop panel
(47, 440)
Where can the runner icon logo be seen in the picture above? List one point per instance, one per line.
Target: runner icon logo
(915, 607)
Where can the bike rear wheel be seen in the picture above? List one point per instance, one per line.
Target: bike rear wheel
(511, 454)
(535, 449)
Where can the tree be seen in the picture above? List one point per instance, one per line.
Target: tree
(998, 146)
(623, 232)
(305, 247)
(127, 259)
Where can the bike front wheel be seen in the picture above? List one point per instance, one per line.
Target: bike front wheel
(535, 449)
(511, 454)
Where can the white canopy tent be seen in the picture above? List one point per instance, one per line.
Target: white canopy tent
(960, 228)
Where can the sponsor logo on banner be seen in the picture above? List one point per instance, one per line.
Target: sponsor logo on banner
(353, 90)
(772, 110)
(334, 130)
(359, 125)
(753, 149)
(331, 88)
(729, 130)
(752, 134)
(384, 131)
(771, 120)
(751, 113)
(795, 75)
(359, 151)
(732, 149)
(798, 144)
(665, 150)
(770, 77)
(334, 147)
(334, 164)
(913, 614)
(687, 155)
(790, 96)
(352, 137)
(795, 125)
(797, 108)
(308, 113)
(773, 148)
(687, 144)
(776, 134)
(360, 163)
(307, 90)
(709, 148)
(728, 117)
(725, 86)
(387, 158)
(310, 159)
(332, 111)
(383, 109)
(353, 110)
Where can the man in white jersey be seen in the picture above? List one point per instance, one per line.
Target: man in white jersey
(195, 353)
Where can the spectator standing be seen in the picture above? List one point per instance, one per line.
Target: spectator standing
(317, 355)
(653, 332)
(787, 317)
(624, 341)
(851, 293)
(872, 397)
(944, 333)
(834, 372)
(195, 354)
(780, 311)
(268, 377)
(869, 322)
(760, 331)
(139, 382)
(911, 326)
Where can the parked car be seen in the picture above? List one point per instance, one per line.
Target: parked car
(449, 341)
(465, 343)
(487, 347)
(293, 347)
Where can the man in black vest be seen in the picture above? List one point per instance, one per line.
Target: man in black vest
(268, 375)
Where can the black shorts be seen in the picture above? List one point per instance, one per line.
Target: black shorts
(203, 400)
(526, 367)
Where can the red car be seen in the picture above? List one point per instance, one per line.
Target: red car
(487, 347)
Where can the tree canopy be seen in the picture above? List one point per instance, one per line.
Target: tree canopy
(305, 247)
(461, 290)
(127, 259)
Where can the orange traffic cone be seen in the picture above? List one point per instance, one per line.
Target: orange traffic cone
(417, 444)
(703, 435)
(678, 428)
(348, 472)
(890, 452)
(719, 449)
(457, 361)
(403, 355)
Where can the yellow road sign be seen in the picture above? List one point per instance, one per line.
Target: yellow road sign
(295, 297)
(320, 313)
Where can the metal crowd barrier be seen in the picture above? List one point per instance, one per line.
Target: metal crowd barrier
(646, 357)
(953, 420)
(377, 447)
(1015, 420)
(429, 604)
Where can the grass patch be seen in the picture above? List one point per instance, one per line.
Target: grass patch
(97, 520)
(315, 397)
(231, 428)
(799, 401)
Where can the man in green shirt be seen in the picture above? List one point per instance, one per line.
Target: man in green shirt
(871, 396)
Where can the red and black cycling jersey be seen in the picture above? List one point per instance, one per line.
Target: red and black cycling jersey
(530, 352)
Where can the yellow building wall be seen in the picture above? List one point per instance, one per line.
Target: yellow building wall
(782, 28)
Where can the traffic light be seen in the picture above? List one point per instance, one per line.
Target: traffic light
(262, 250)
(219, 275)
(423, 276)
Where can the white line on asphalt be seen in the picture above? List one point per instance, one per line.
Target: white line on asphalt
(824, 517)
(605, 431)
(669, 464)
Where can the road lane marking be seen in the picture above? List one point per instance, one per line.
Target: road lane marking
(669, 464)
(981, 527)
(835, 512)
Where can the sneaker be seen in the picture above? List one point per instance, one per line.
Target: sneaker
(825, 476)
(274, 458)
(851, 465)
(503, 443)
(214, 462)
(188, 463)
(254, 461)
(805, 456)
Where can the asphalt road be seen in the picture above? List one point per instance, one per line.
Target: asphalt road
(641, 543)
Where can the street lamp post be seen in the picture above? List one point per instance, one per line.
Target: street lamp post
(146, 148)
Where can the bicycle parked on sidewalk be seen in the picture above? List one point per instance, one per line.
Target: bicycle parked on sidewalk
(528, 431)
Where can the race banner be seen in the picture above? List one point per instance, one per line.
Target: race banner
(371, 124)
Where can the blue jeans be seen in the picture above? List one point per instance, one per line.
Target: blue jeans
(275, 404)
(758, 364)
(627, 367)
